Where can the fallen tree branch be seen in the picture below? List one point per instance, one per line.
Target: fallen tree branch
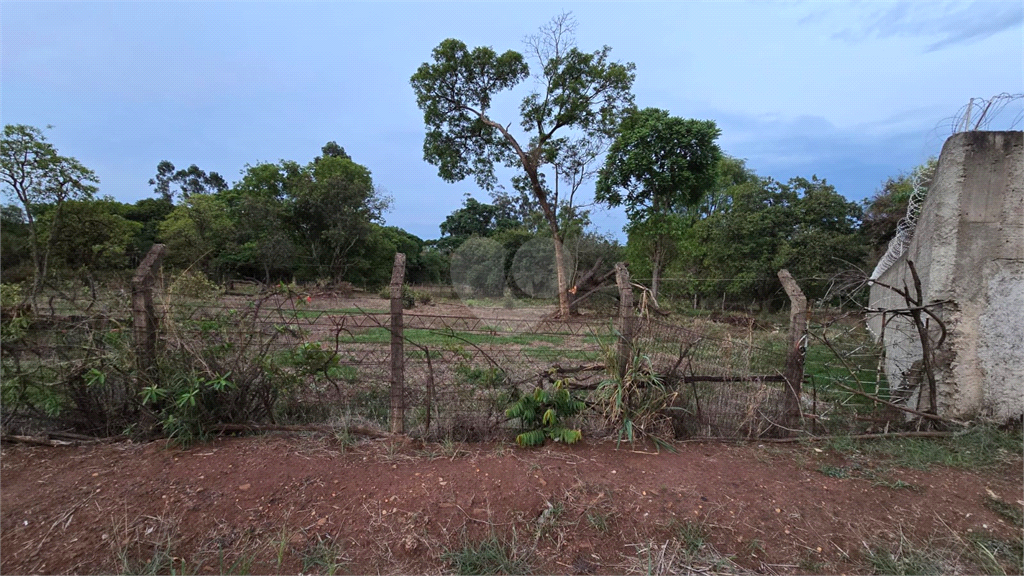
(898, 407)
(361, 430)
(35, 440)
(59, 439)
(931, 434)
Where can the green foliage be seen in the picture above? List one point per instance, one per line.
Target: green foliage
(193, 284)
(634, 402)
(185, 183)
(659, 168)
(479, 267)
(906, 561)
(889, 204)
(544, 412)
(16, 263)
(582, 98)
(35, 175)
(93, 235)
(803, 225)
(483, 378)
(323, 552)
(10, 296)
(196, 231)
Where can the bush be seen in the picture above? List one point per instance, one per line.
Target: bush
(194, 284)
(543, 412)
(424, 297)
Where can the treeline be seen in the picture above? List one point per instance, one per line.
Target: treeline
(323, 221)
(283, 221)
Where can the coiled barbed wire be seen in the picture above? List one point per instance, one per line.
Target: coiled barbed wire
(977, 114)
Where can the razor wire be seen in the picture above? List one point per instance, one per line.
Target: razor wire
(905, 228)
(977, 114)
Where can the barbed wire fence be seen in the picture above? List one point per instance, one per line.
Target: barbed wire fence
(288, 358)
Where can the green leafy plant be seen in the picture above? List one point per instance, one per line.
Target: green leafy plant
(543, 413)
(636, 401)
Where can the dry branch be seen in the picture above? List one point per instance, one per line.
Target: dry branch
(361, 430)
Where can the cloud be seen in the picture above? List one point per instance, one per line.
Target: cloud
(951, 23)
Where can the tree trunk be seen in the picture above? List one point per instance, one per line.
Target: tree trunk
(655, 277)
(563, 282)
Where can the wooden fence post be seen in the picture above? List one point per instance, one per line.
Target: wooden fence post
(397, 417)
(144, 319)
(797, 346)
(626, 318)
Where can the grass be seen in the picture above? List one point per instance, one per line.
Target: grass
(994, 556)
(1008, 511)
(314, 313)
(977, 447)
(600, 521)
(691, 535)
(492, 555)
(834, 471)
(324, 554)
(906, 560)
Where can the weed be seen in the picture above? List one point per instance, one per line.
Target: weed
(600, 521)
(324, 553)
(1008, 511)
(691, 535)
(755, 547)
(549, 518)
(284, 537)
(811, 564)
(905, 561)
(834, 471)
(241, 566)
(492, 555)
(543, 412)
(994, 556)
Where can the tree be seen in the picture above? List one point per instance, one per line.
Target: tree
(473, 219)
(16, 254)
(663, 164)
(263, 243)
(579, 96)
(169, 182)
(332, 203)
(93, 237)
(884, 210)
(803, 225)
(34, 173)
(149, 213)
(196, 232)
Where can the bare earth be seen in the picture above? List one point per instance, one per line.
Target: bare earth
(265, 505)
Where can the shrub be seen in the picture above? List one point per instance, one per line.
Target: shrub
(543, 412)
(193, 284)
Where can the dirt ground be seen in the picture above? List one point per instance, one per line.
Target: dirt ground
(317, 503)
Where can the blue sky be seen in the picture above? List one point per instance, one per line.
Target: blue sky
(853, 92)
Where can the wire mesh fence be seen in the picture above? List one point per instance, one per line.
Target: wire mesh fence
(286, 358)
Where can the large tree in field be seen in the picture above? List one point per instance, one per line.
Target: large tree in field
(658, 167)
(34, 173)
(578, 97)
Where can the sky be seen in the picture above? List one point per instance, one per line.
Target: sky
(853, 92)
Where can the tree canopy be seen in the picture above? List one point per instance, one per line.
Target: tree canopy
(658, 166)
(579, 96)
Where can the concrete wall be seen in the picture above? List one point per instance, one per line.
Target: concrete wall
(968, 250)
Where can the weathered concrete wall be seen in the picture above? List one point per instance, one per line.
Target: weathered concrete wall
(968, 250)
